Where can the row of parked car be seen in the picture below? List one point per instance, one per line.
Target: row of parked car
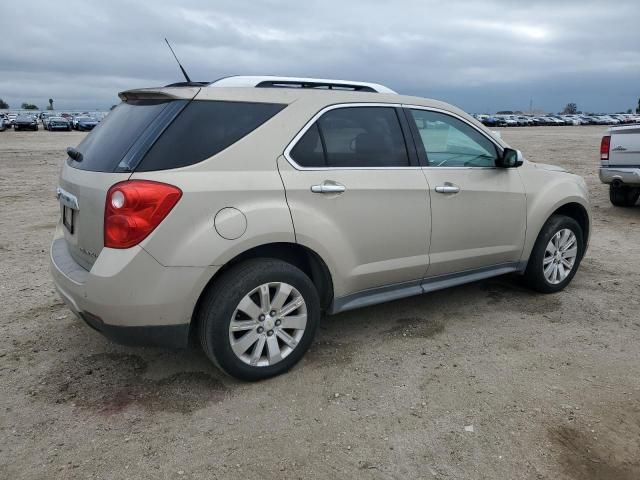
(553, 120)
(50, 121)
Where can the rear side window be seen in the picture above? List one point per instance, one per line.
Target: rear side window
(203, 129)
(108, 143)
(353, 137)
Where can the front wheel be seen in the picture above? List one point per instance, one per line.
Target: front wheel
(623, 196)
(259, 318)
(556, 255)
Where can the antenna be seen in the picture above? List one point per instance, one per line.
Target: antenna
(179, 64)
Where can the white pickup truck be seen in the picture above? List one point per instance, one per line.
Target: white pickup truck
(620, 164)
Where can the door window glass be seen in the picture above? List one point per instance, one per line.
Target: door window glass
(450, 142)
(353, 137)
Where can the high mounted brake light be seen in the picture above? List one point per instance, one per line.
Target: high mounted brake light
(134, 208)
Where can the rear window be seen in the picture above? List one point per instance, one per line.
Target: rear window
(164, 134)
(203, 129)
(103, 149)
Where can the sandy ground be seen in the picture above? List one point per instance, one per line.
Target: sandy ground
(549, 385)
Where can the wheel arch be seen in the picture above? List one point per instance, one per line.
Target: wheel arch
(573, 207)
(298, 255)
(579, 213)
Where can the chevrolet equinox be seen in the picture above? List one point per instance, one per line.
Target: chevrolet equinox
(236, 213)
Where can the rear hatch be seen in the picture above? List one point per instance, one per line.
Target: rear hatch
(624, 149)
(109, 154)
(151, 130)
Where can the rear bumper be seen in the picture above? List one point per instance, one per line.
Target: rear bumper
(128, 296)
(630, 176)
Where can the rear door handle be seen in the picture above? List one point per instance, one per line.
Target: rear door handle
(447, 189)
(327, 187)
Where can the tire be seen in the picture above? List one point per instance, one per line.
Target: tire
(221, 304)
(534, 276)
(623, 196)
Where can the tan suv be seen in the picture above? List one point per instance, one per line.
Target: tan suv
(238, 212)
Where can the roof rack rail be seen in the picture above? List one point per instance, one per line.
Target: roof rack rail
(320, 85)
(299, 82)
(188, 84)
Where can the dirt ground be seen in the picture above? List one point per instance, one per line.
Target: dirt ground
(484, 381)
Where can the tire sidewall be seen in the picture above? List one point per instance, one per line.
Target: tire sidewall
(535, 268)
(623, 196)
(230, 291)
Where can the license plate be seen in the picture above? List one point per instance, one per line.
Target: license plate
(67, 218)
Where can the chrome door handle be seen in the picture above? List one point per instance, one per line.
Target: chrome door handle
(447, 189)
(328, 188)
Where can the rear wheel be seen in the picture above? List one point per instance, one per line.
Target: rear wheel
(259, 318)
(623, 196)
(556, 255)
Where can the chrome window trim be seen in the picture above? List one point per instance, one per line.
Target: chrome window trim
(307, 126)
(499, 148)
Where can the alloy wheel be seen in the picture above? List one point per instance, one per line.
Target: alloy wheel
(268, 324)
(560, 256)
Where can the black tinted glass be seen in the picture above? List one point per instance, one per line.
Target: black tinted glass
(308, 151)
(203, 129)
(112, 138)
(363, 137)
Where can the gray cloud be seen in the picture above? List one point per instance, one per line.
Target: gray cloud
(479, 55)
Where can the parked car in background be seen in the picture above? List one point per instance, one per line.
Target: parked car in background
(620, 164)
(12, 117)
(508, 120)
(609, 120)
(84, 123)
(3, 123)
(491, 121)
(44, 118)
(161, 238)
(58, 123)
(25, 122)
(570, 120)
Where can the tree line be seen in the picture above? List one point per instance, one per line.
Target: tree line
(26, 105)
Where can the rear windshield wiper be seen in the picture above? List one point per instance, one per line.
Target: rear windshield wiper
(74, 153)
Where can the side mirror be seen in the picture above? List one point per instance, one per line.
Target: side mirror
(510, 159)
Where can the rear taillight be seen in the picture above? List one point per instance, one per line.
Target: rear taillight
(604, 147)
(134, 209)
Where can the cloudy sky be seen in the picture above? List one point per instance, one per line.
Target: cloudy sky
(482, 55)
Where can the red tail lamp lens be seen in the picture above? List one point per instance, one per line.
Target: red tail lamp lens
(134, 209)
(604, 147)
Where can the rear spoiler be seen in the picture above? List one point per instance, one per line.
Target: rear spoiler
(160, 93)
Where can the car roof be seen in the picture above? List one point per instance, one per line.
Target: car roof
(305, 99)
(282, 95)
